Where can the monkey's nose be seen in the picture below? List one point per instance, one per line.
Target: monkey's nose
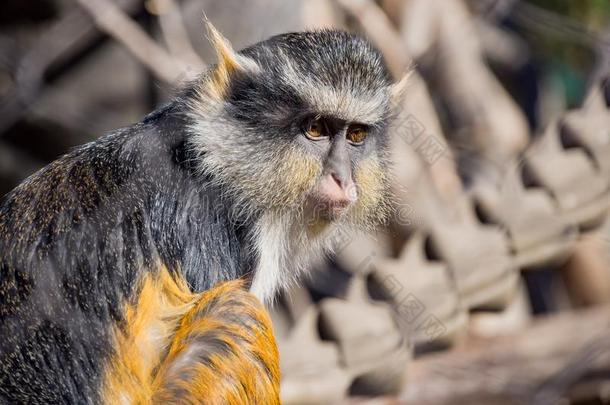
(337, 191)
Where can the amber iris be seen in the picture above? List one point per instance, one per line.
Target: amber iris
(315, 130)
(356, 135)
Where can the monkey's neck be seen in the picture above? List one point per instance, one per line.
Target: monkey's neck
(286, 248)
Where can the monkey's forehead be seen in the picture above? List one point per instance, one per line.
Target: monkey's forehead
(328, 72)
(351, 86)
(352, 98)
(349, 103)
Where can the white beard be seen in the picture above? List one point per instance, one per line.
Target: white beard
(286, 250)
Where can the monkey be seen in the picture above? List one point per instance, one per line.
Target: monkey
(135, 268)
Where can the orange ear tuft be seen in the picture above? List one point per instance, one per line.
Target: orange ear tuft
(229, 62)
(227, 58)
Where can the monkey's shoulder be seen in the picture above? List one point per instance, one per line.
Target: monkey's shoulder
(124, 201)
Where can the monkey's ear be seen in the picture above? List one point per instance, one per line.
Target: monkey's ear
(229, 61)
(398, 89)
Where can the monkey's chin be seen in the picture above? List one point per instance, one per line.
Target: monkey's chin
(327, 212)
(320, 221)
(333, 214)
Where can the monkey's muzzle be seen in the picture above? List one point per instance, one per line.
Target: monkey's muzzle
(334, 195)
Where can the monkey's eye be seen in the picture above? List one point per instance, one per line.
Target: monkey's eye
(357, 134)
(315, 130)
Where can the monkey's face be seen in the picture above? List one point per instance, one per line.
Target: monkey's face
(298, 123)
(350, 183)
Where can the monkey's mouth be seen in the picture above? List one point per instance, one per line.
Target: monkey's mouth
(330, 210)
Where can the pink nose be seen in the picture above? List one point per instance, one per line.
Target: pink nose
(337, 192)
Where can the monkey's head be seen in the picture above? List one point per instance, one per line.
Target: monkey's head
(298, 123)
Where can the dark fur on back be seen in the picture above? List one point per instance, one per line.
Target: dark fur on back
(76, 235)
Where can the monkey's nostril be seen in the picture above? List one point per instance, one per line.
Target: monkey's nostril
(337, 179)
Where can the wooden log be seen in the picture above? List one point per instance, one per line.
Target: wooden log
(546, 364)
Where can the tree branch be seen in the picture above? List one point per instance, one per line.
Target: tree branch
(175, 35)
(379, 28)
(112, 20)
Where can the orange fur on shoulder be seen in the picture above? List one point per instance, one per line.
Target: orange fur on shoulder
(216, 347)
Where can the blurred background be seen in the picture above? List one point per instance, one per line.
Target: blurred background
(491, 283)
